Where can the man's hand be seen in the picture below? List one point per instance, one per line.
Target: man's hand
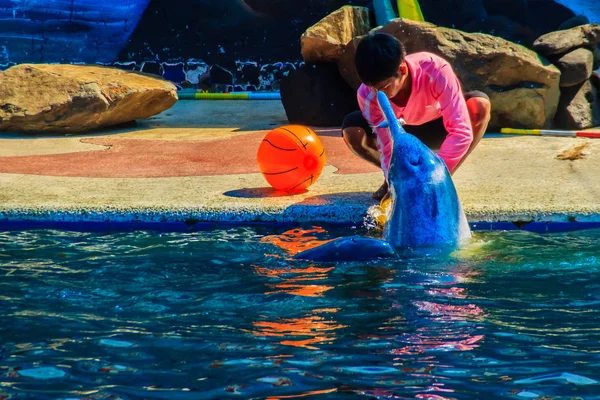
(385, 197)
(385, 124)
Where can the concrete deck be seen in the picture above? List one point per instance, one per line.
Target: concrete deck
(196, 162)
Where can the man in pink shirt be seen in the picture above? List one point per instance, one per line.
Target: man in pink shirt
(425, 95)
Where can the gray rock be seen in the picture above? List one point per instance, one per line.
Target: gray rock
(575, 67)
(562, 42)
(579, 107)
(595, 79)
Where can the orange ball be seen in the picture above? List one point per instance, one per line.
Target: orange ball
(291, 158)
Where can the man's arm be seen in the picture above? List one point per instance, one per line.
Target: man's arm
(446, 88)
(367, 101)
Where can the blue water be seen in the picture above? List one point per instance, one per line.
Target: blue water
(225, 314)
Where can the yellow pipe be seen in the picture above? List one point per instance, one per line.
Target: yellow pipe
(513, 131)
(221, 96)
(410, 9)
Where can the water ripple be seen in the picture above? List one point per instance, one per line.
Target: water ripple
(214, 314)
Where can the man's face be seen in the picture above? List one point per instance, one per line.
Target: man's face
(393, 85)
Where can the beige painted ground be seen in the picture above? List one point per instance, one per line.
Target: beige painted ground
(506, 178)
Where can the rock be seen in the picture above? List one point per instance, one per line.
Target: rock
(577, 20)
(562, 42)
(247, 73)
(152, 67)
(523, 88)
(270, 75)
(325, 40)
(579, 107)
(196, 72)
(596, 57)
(315, 94)
(575, 67)
(595, 80)
(78, 98)
(174, 72)
(220, 75)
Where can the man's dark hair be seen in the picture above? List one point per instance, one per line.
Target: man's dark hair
(378, 57)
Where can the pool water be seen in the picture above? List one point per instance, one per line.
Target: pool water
(226, 314)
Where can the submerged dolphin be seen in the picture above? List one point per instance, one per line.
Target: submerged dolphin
(349, 248)
(425, 208)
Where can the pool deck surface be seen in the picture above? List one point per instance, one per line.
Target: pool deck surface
(196, 162)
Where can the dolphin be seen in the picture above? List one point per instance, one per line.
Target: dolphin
(349, 248)
(425, 208)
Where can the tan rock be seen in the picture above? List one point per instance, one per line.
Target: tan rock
(561, 42)
(522, 87)
(325, 40)
(78, 98)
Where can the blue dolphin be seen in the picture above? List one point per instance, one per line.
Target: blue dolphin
(349, 248)
(425, 209)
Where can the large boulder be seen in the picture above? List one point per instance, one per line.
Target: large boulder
(325, 40)
(346, 64)
(78, 98)
(575, 67)
(562, 42)
(315, 94)
(523, 88)
(579, 107)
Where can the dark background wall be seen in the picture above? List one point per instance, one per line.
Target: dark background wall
(239, 44)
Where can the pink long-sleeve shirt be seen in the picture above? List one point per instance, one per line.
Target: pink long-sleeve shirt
(436, 92)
